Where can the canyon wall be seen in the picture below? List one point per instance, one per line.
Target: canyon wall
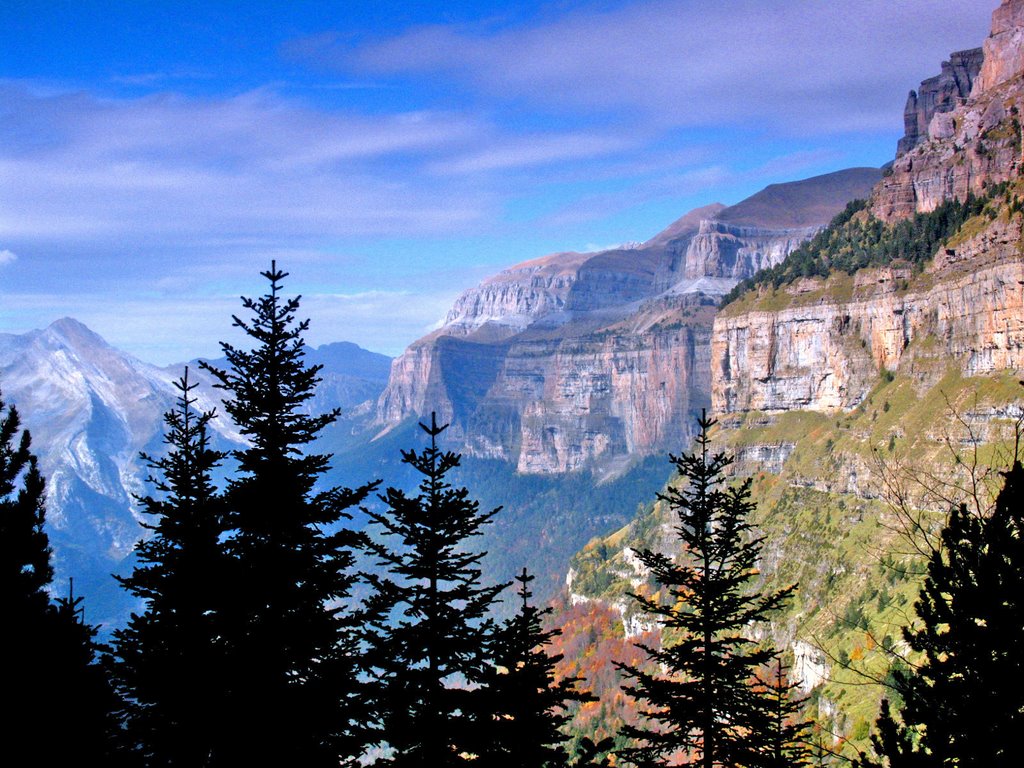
(826, 349)
(576, 361)
(820, 344)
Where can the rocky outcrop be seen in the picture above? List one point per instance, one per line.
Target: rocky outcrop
(590, 360)
(963, 145)
(1004, 48)
(825, 350)
(942, 93)
(820, 345)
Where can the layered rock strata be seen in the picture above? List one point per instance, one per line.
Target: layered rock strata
(820, 345)
(588, 360)
(939, 94)
(825, 351)
(975, 144)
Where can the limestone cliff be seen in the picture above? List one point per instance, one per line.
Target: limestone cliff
(820, 344)
(589, 360)
(965, 144)
(942, 93)
(825, 346)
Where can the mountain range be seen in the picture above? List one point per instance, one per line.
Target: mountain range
(91, 409)
(864, 390)
(566, 379)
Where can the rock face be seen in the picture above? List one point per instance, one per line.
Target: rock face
(825, 353)
(1004, 48)
(939, 94)
(588, 360)
(965, 144)
(820, 345)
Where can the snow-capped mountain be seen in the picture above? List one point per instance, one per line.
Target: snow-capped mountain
(92, 409)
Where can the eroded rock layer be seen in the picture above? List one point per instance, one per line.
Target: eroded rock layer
(820, 344)
(590, 360)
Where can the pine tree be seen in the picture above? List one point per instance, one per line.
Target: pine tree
(428, 649)
(963, 704)
(59, 704)
(167, 660)
(705, 703)
(525, 706)
(785, 743)
(296, 693)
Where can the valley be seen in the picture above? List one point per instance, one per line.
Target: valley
(858, 337)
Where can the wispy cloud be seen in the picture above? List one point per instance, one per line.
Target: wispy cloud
(7, 257)
(787, 65)
(531, 151)
(72, 165)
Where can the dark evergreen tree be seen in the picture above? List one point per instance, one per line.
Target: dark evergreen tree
(167, 662)
(785, 743)
(58, 703)
(296, 696)
(590, 754)
(963, 705)
(524, 705)
(429, 646)
(705, 704)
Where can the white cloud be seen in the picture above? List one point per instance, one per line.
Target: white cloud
(74, 166)
(6, 257)
(789, 65)
(257, 166)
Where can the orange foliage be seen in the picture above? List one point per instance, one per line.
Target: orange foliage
(591, 642)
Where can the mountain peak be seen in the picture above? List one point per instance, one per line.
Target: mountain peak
(805, 203)
(686, 224)
(73, 333)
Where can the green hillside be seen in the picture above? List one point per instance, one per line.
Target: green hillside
(849, 501)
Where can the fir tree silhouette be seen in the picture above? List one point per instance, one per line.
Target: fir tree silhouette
(59, 704)
(705, 702)
(963, 704)
(428, 649)
(784, 742)
(167, 661)
(296, 696)
(524, 709)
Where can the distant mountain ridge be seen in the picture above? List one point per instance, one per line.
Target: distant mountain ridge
(577, 360)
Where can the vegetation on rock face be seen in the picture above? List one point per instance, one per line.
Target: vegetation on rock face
(963, 695)
(855, 240)
(824, 510)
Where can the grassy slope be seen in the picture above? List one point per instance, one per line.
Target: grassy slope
(826, 514)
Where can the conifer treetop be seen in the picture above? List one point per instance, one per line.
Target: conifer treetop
(705, 703)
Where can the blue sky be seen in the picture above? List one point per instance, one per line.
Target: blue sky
(154, 156)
